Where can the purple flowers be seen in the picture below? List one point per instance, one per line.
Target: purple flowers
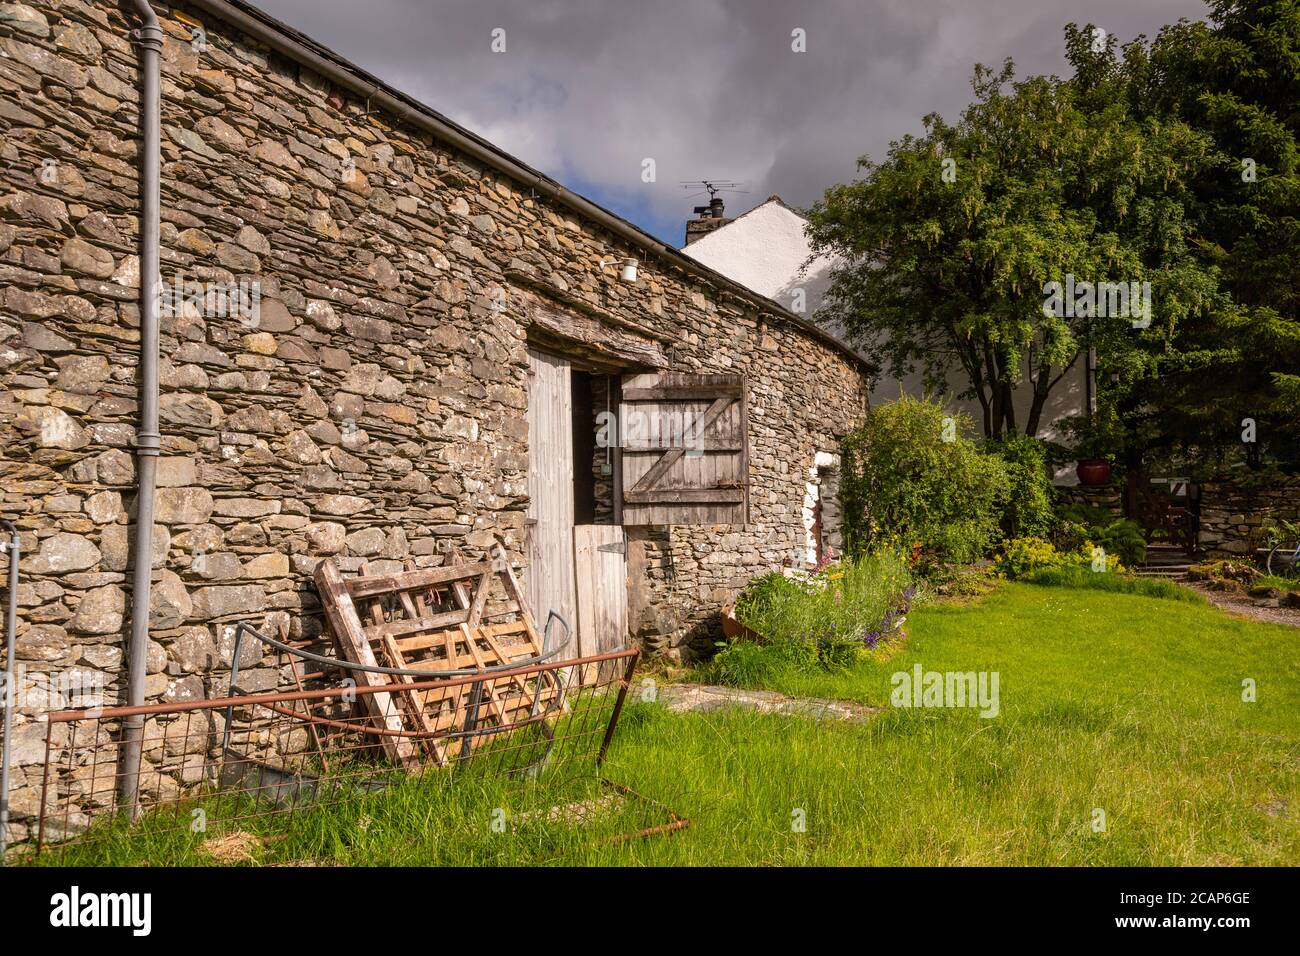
(892, 619)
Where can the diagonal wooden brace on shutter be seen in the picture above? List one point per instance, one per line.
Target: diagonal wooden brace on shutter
(685, 449)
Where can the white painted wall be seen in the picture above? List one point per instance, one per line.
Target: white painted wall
(766, 250)
(1066, 399)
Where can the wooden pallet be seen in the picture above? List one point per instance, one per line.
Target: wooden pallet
(434, 620)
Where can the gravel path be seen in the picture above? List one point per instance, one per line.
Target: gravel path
(1235, 602)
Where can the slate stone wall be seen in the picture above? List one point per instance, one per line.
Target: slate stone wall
(370, 408)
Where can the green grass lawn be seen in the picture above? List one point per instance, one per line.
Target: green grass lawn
(1127, 704)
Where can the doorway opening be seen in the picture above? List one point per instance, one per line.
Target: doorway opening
(575, 545)
(595, 447)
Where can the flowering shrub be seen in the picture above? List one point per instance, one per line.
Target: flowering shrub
(1019, 556)
(1024, 557)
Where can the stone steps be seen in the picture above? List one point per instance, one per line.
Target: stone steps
(1171, 572)
(1165, 561)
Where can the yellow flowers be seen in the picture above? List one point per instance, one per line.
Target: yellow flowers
(1021, 556)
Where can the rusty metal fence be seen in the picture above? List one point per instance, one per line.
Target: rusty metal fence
(8, 695)
(256, 755)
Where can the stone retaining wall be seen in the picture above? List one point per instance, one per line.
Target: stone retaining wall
(1234, 513)
(1109, 497)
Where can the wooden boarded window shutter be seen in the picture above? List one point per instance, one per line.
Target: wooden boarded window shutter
(685, 442)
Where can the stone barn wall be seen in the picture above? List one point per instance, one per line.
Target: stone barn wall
(375, 411)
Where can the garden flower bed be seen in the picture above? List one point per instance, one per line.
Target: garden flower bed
(822, 619)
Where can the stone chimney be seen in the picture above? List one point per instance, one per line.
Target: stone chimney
(709, 217)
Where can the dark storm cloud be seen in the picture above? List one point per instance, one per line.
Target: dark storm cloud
(707, 88)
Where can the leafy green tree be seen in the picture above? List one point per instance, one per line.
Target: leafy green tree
(1236, 79)
(947, 245)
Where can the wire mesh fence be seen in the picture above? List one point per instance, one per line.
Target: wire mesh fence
(288, 754)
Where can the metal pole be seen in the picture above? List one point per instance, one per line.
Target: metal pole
(471, 723)
(45, 789)
(232, 690)
(149, 39)
(1089, 372)
(623, 687)
(10, 695)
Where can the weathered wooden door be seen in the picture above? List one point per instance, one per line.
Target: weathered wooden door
(685, 449)
(549, 528)
(600, 551)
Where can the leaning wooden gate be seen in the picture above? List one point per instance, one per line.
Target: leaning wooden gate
(434, 620)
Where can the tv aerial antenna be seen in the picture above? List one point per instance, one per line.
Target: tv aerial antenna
(712, 187)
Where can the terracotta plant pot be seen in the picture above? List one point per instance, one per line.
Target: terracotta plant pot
(1093, 472)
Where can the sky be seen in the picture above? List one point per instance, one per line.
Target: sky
(588, 90)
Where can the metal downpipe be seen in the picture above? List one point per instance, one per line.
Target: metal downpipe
(149, 40)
